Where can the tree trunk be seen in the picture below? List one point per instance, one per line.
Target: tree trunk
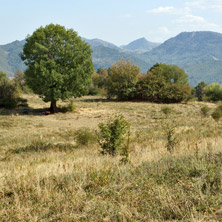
(52, 108)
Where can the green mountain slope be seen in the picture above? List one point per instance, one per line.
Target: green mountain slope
(140, 44)
(188, 48)
(99, 42)
(210, 72)
(10, 61)
(199, 53)
(104, 57)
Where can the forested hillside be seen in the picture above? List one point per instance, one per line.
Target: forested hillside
(199, 53)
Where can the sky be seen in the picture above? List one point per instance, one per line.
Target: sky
(115, 21)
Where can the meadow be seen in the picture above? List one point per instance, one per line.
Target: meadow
(47, 173)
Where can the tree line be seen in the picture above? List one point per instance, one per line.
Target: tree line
(162, 83)
(59, 66)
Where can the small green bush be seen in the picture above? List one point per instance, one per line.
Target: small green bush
(68, 108)
(113, 136)
(85, 137)
(216, 115)
(205, 110)
(172, 139)
(166, 110)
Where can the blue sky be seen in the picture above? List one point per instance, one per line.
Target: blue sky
(116, 21)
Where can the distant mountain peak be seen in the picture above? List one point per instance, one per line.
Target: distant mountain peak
(140, 44)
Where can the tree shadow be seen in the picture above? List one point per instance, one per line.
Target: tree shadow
(97, 100)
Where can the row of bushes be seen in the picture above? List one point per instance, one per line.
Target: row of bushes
(205, 92)
(162, 83)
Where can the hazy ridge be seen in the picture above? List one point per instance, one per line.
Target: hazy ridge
(199, 53)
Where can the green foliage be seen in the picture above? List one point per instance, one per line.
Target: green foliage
(198, 91)
(172, 139)
(164, 83)
(85, 137)
(122, 80)
(205, 110)
(112, 136)
(99, 78)
(216, 115)
(166, 110)
(70, 107)
(59, 63)
(213, 92)
(19, 80)
(9, 94)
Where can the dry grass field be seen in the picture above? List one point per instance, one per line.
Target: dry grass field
(48, 175)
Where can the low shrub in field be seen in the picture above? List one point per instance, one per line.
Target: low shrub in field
(85, 137)
(113, 135)
(41, 146)
(166, 110)
(68, 108)
(216, 115)
(205, 111)
(172, 139)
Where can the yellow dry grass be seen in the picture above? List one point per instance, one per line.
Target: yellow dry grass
(197, 135)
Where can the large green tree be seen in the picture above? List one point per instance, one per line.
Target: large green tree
(59, 63)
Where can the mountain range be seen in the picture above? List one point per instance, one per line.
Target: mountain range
(198, 53)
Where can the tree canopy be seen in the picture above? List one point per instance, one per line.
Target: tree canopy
(122, 80)
(213, 92)
(164, 83)
(59, 63)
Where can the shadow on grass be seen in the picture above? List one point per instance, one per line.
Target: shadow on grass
(98, 100)
(40, 146)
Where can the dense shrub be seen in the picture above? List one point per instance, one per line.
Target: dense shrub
(9, 94)
(99, 78)
(205, 111)
(98, 83)
(122, 79)
(213, 92)
(198, 91)
(112, 136)
(19, 80)
(70, 107)
(164, 83)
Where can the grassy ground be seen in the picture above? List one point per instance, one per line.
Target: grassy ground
(48, 175)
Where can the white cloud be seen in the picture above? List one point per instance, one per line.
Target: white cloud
(186, 18)
(192, 22)
(160, 10)
(190, 19)
(164, 30)
(169, 10)
(205, 4)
